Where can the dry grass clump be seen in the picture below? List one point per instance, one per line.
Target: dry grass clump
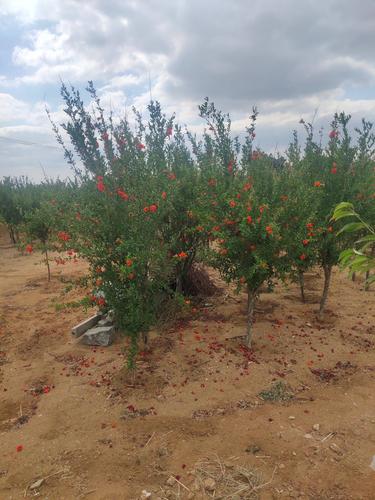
(219, 480)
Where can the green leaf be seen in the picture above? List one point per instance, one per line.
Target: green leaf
(369, 238)
(352, 227)
(342, 210)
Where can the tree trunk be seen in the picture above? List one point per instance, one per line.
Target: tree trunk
(145, 341)
(47, 264)
(251, 298)
(327, 279)
(12, 235)
(179, 284)
(302, 285)
(353, 277)
(367, 284)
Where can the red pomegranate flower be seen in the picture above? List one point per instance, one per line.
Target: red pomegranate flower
(269, 230)
(153, 208)
(122, 194)
(305, 242)
(63, 236)
(302, 257)
(249, 219)
(100, 301)
(100, 183)
(182, 255)
(29, 249)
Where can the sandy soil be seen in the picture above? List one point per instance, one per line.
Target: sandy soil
(92, 432)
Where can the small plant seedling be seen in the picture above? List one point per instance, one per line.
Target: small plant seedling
(277, 392)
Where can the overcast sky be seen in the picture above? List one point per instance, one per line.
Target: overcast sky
(288, 57)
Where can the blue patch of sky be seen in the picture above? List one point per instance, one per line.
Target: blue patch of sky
(356, 92)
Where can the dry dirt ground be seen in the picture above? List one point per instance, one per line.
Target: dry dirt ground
(91, 432)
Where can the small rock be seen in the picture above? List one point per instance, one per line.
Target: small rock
(111, 315)
(102, 335)
(105, 322)
(145, 494)
(308, 436)
(37, 484)
(292, 417)
(309, 324)
(282, 466)
(316, 427)
(171, 481)
(294, 453)
(372, 465)
(209, 484)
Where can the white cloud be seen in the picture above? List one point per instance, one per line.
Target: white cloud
(290, 62)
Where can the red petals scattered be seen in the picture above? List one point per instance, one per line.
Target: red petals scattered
(19, 448)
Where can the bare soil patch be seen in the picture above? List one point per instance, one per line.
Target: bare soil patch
(194, 409)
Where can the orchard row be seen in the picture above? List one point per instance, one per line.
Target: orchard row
(148, 200)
